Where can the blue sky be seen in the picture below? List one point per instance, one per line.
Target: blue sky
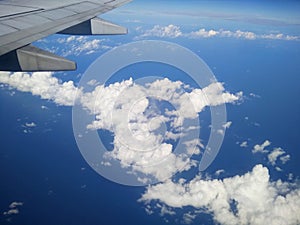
(251, 15)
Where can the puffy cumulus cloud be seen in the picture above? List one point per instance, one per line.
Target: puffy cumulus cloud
(103, 100)
(273, 155)
(173, 31)
(261, 148)
(42, 84)
(212, 95)
(247, 199)
(277, 152)
(238, 34)
(203, 33)
(141, 130)
(78, 45)
(170, 31)
(130, 112)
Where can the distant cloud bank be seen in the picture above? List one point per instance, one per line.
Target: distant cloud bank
(173, 31)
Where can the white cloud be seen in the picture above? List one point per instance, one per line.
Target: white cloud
(70, 39)
(290, 176)
(272, 157)
(15, 204)
(78, 45)
(93, 82)
(193, 146)
(256, 199)
(261, 148)
(203, 33)
(28, 127)
(32, 124)
(238, 34)
(11, 212)
(244, 144)
(189, 217)
(218, 172)
(170, 31)
(212, 95)
(280, 37)
(173, 31)
(224, 127)
(13, 208)
(285, 158)
(137, 145)
(254, 95)
(42, 84)
(148, 210)
(278, 153)
(227, 124)
(164, 210)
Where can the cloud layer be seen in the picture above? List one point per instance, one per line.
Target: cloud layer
(142, 131)
(248, 199)
(141, 140)
(42, 84)
(173, 31)
(75, 45)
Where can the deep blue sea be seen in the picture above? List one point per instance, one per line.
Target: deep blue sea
(44, 169)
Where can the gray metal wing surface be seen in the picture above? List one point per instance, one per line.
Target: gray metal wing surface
(25, 21)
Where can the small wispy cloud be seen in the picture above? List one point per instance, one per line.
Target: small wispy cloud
(261, 148)
(82, 45)
(32, 124)
(275, 154)
(13, 208)
(244, 144)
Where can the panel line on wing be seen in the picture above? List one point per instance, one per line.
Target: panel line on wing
(21, 13)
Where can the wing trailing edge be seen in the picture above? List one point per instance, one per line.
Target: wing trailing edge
(95, 26)
(30, 58)
(23, 22)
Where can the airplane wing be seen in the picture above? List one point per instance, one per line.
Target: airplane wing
(25, 21)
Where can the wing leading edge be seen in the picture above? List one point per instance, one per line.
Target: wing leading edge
(27, 23)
